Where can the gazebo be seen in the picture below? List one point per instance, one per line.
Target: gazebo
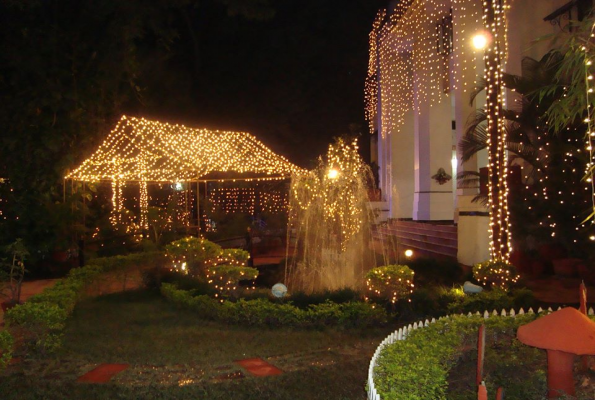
(143, 151)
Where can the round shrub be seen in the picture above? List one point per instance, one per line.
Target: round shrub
(496, 273)
(390, 282)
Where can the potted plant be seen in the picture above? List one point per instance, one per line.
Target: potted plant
(12, 272)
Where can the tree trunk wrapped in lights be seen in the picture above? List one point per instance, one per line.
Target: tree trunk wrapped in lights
(495, 23)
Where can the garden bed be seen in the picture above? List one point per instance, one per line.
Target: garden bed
(263, 312)
(439, 361)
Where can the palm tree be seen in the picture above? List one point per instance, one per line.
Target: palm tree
(552, 161)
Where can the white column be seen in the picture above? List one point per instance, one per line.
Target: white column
(467, 65)
(433, 150)
(403, 183)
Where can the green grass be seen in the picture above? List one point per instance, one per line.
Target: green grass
(175, 355)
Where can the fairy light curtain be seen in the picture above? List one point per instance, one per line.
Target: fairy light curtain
(416, 58)
(248, 200)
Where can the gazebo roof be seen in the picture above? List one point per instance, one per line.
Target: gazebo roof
(141, 150)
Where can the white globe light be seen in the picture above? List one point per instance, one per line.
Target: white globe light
(279, 290)
(480, 41)
(408, 253)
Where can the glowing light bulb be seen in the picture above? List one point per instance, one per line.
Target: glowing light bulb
(408, 253)
(333, 173)
(480, 41)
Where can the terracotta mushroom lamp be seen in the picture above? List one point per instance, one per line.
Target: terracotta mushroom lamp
(564, 334)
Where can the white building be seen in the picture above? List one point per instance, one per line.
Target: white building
(423, 68)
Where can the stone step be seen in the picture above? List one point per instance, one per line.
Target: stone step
(420, 226)
(426, 239)
(421, 249)
(431, 236)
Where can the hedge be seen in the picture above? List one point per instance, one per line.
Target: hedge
(6, 343)
(262, 312)
(43, 317)
(418, 367)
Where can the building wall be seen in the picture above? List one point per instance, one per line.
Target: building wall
(412, 148)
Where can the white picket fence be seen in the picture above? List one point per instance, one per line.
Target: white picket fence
(402, 333)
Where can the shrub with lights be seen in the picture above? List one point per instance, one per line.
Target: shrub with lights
(226, 279)
(221, 268)
(390, 282)
(496, 273)
(193, 255)
(233, 257)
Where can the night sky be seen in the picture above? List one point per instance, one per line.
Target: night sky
(294, 79)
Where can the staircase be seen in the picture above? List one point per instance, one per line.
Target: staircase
(432, 240)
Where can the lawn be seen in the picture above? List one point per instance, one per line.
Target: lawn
(172, 354)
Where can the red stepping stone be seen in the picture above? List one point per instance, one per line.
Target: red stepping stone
(103, 373)
(259, 367)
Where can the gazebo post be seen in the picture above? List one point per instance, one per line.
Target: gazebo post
(206, 194)
(188, 189)
(197, 208)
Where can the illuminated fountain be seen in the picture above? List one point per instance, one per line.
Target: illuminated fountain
(330, 223)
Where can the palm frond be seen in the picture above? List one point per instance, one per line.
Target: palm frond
(468, 179)
(481, 85)
(473, 142)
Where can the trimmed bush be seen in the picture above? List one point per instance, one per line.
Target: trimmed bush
(390, 282)
(495, 274)
(197, 253)
(41, 322)
(262, 312)
(438, 301)
(226, 278)
(6, 343)
(234, 256)
(419, 366)
(42, 318)
(304, 300)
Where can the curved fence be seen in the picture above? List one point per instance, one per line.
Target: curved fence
(402, 333)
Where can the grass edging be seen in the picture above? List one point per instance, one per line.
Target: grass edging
(42, 318)
(262, 312)
(414, 363)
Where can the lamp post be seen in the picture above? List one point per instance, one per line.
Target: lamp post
(493, 42)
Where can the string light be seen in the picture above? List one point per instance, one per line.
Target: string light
(494, 17)
(418, 65)
(249, 200)
(590, 134)
(337, 193)
(417, 58)
(142, 150)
